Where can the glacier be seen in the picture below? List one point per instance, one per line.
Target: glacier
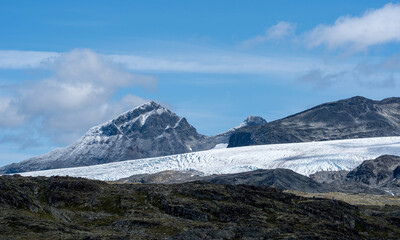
(304, 158)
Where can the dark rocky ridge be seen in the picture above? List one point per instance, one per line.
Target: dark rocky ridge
(164, 177)
(283, 179)
(73, 208)
(356, 117)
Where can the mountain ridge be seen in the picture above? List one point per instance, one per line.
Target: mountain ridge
(356, 117)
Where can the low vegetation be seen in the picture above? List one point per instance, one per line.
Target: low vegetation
(354, 199)
(75, 208)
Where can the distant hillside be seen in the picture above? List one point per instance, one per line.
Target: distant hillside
(280, 178)
(356, 117)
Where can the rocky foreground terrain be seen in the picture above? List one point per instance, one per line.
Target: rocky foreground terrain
(75, 208)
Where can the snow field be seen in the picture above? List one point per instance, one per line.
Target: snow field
(304, 158)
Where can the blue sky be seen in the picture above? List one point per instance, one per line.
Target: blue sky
(68, 65)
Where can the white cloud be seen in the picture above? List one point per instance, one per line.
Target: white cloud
(78, 94)
(358, 33)
(277, 32)
(9, 115)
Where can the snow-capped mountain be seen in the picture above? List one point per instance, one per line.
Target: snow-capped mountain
(146, 131)
(355, 117)
(150, 130)
(304, 158)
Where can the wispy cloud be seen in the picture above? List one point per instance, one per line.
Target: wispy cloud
(319, 79)
(275, 33)
(383, 74)
(355, 34)
(229, 63)
(192, 62)
(10, 59)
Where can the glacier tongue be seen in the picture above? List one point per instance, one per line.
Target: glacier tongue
(303, 158)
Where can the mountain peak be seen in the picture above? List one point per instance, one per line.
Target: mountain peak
(251, 121)
(134, 119)
(254, 121)
(151, 104)
(357, 99)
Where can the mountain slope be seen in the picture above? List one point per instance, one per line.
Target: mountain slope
(356, 117)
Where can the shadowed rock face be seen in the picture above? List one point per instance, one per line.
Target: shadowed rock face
(73, 208)
(380, 172)
(356, 117)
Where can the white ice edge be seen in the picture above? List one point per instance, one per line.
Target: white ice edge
(304, 158)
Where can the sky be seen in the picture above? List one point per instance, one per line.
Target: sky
(66, 66)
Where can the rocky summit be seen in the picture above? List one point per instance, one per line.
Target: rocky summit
(356, 117)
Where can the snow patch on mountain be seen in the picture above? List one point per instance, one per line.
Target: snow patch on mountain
(304, 158)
